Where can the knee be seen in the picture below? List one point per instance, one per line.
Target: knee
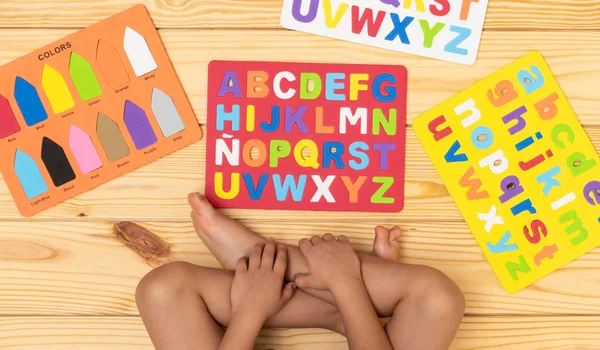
(440, 296)
(164, 284)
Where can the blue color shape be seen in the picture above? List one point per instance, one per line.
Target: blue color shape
(463, 34)
(332, 84)
(534, 84)
(390, 90)
(29, 102)
(275, 120)
(357, 149)
(289, 185)
(255, 192)
(399, 29)
(29, 175)
(452, 157)
(502, 246)
(329, 154)
(482, 144)
(233, 117)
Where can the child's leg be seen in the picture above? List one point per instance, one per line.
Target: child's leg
(184, 306)
(426, 307)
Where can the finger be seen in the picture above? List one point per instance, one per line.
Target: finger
(316, 240)
(343, 238)
(328, 237)
(303, 281)
(256, 255)
(281, 260)
(304, 245)
(268, 255)
(287, 293)
(242, 265)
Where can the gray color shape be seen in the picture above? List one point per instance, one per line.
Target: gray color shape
(166, 113)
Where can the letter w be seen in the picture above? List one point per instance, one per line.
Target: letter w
(359, 21)
(474, 185)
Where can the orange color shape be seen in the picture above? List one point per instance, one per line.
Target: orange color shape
(111, 66)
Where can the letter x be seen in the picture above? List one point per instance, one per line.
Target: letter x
(490, 219)
(323, 188)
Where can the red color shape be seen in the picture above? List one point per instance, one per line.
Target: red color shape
(320, 112)
(8, 121)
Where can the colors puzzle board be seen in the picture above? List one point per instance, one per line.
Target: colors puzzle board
(88, 108)
(448, 30)
(301, 136)
(521, 169)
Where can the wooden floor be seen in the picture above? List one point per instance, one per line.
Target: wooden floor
(67, 282)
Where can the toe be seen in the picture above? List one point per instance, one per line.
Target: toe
(198, 203)
(395, 233)
(381, 234)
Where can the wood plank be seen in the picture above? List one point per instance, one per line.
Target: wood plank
(502, 14)
(158, 192)
(128, 333)
(84, 269)
(573, 60)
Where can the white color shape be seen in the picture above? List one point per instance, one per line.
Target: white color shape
(564, 201)
(346, 116)
(138, 52)
(467, 106)
(344, 29)
(491, 159)
(277, 85)
(490, 218)
(232, 155)
(323, 189)
(227, 136)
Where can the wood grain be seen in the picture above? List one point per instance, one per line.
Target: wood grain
(502, 14)
(163, 187)
(574, 62)
(84, 269)
(128, 333)
(67, 281)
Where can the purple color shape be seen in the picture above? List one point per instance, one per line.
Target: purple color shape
(395, 3)
(312, 11)
(383, 149)
(138, 125)
(292, 118)
(235, 85)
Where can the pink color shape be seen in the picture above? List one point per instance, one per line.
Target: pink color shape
(84, 150)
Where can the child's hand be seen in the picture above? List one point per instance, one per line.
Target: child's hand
(332, 262)
(256, 292)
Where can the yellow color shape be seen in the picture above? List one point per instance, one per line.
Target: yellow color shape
(330, 20)
(510, 235)
(233, 191)
(56, 90)
(419, 3)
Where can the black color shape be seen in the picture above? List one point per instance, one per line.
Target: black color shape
(56, 162)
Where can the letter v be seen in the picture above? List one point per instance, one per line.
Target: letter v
(333, 21)
(452, 157)
(255, 193)
(501, 246)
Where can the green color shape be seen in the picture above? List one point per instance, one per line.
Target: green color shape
(521, 266)
(84, 78)
(378, 197)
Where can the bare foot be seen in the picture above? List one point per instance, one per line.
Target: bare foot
(387, 243)
(226, 238)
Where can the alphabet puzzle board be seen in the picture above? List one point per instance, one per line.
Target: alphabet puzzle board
(521, 169)
(449, 30)
(88, 108)
(306, 136)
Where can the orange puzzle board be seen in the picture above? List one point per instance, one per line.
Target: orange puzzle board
(142, 82)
